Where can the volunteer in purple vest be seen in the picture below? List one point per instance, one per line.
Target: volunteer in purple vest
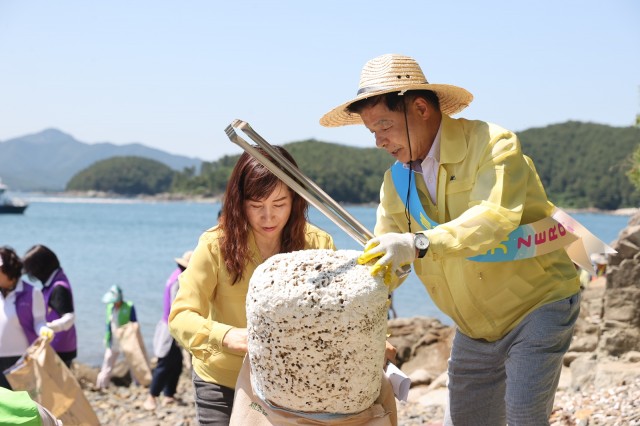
(22, 316)
(169, 366)
(41, 263)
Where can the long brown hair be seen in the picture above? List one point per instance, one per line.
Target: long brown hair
(250, 180)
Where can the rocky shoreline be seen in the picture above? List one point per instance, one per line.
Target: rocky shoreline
(122, 403)
(595, 388)
(599, 384)
(168, 196)
(600, 380)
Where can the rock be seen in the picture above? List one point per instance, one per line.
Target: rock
(610, 374)
(421, 377)
(438, 397)
(626, 249)
(440, 382)
(586, 343)
(624, 275)
(569, 357)
(632, 234)
(120, 404)
(85, 374)
(611, 319)
(583, 371)
(592, 303)
(631, 356)
(422, 343)
(566, 378)
(617, 339)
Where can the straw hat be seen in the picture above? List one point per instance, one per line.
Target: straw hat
(396, 73)
(184, 260)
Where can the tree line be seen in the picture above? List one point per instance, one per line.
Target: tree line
(580, 164)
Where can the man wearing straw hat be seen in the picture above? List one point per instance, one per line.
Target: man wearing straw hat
(458, 190)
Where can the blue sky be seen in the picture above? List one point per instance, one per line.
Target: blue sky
(173, 75)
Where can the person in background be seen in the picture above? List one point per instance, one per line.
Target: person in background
(515, 318)
(41, 263)
(169, 366)
(599, 262)
(261, 217)
(119, 313)
(22, 313)
(17, 408)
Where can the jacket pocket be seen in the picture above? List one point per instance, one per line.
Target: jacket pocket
(459, 185)
(457, 196)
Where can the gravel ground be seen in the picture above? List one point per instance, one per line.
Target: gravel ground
(619, 406)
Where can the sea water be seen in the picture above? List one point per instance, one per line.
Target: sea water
(101, 242)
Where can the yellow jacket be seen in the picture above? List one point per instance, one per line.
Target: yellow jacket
(207, 306)
(486, 189)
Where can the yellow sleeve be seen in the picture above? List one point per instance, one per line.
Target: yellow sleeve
(190, 320)
(328, 243)
(316, 238)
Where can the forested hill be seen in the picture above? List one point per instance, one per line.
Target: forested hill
(347, 174)
(584, 164)
(581, 165)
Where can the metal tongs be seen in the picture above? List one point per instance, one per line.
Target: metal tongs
(301, 184)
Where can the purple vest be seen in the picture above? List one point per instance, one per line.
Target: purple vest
(169, 293)
(63, 341)
(24, 310)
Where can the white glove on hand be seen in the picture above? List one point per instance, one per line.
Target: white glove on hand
(103, 380)
(104, 377)
(393, 249)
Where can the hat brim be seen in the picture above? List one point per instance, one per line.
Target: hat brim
(180, 261)
(109, 298)
(453, 99)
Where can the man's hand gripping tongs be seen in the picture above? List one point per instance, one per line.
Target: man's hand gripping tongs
(301, 184)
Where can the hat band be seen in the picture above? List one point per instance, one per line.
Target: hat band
(370, 89)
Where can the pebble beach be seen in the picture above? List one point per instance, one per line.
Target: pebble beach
(617, 406)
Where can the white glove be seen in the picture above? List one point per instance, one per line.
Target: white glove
(393, 249)
(104, 377)
(103, 380)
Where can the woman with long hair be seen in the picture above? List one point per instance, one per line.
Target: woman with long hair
(261, 217)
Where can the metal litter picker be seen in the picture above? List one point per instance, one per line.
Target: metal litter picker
(301, 184)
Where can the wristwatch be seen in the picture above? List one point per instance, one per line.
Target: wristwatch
(422, 244)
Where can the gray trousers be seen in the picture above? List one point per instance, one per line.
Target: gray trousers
(513, 380)
(213, 402)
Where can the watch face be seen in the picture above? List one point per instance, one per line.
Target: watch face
(421, 241)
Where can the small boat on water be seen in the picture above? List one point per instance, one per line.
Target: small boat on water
(8, 204)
